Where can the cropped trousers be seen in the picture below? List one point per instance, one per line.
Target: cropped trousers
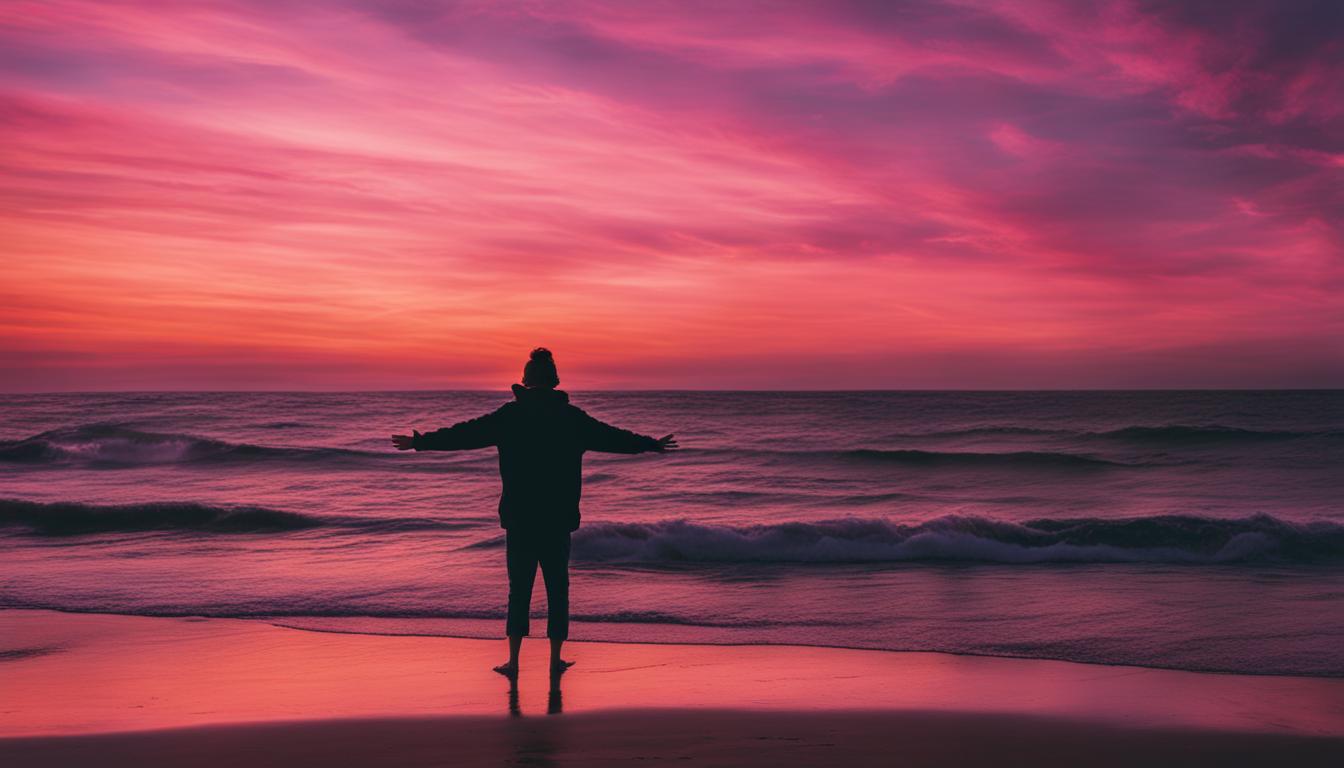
(524, 551)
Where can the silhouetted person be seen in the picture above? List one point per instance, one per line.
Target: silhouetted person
(541, 440)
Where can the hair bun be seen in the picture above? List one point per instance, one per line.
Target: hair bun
(540, 354)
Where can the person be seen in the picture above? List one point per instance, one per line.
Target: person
(541, 440)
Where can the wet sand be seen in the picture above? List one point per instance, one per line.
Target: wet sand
(117, 690)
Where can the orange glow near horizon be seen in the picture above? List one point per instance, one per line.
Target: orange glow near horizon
(247, 195)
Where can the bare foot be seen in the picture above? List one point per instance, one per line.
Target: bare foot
(509, 670)
(558, 666)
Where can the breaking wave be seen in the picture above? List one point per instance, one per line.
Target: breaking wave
(1174, 539)
(1166, 539)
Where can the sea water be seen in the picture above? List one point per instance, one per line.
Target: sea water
(1192, 530)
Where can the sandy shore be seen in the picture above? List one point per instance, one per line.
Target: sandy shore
(116, 690)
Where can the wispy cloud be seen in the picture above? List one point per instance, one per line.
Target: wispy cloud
(930, 193)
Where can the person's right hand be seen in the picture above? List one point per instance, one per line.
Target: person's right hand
(666, 443)
(405, 442)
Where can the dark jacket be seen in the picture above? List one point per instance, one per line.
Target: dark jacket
(541, 440)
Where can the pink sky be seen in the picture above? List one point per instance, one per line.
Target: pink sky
(261, 194)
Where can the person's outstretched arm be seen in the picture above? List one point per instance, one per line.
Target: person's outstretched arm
(599, 436)
(482, 432)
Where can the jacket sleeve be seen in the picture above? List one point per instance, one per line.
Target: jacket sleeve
(599, 436)
(481, 432)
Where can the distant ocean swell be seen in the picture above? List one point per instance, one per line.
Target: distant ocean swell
(74, 519)
(1012, 459)
(1059, 461)
(1173, 539)
(112, 446)
(1172, 434)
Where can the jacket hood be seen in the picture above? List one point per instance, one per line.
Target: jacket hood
(539, 395)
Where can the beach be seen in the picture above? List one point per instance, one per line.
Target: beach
(122, 690)
(909, 383)
(1112, 578)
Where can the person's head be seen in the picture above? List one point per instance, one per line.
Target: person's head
(540, 373)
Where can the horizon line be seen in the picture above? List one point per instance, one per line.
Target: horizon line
(861, 390)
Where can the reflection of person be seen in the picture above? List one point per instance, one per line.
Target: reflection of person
(555, 698)
(541, 440)
(555, 701)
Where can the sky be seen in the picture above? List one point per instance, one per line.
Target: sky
(970, 194)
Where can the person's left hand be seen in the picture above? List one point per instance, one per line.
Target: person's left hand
(405, 442)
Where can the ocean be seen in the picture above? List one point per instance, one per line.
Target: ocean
(1188, 530)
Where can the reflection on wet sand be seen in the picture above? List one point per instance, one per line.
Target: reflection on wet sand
(532, 743)
(555, 704)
